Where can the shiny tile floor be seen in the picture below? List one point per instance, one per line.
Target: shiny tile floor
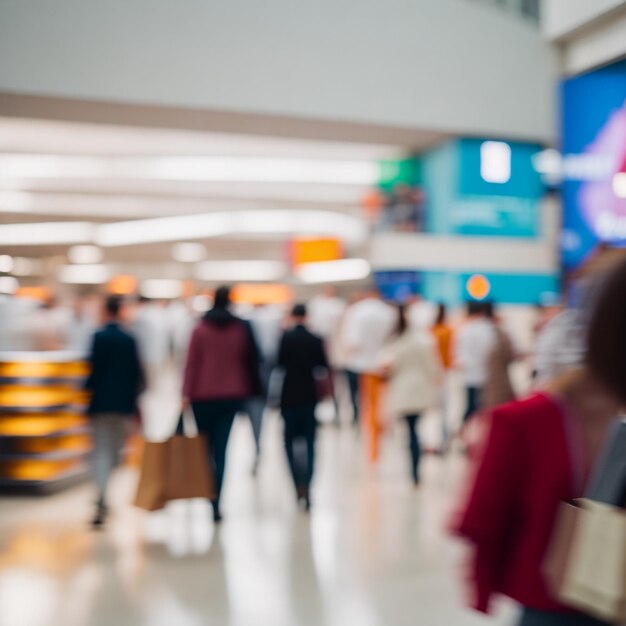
(372, 552)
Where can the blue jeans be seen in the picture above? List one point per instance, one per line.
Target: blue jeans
(414, 445)
(530, 617)
(353, 384)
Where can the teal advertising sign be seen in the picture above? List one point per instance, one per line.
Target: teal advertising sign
(483, 188)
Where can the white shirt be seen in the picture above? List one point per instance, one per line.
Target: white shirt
(475, 340)
(421, 315)
(366, 327)
(266, 323)
(325, 315)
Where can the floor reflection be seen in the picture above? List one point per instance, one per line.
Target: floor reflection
(373, 551)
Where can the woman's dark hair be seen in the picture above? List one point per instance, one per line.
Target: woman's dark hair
(442, 313)
(606, 335)
(403, 323)
(222, 297)
(489, 309)
(474, 307)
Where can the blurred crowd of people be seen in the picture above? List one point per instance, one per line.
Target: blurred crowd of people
(374, 363)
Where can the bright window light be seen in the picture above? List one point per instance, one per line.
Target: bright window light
(334, 271)
(85, 254)
(161, 289)
(188, 252)
(8, 285)
(45, 233)
(619, 184)
(6, 263)
(495, 162)
(94, 274)
(241, 271)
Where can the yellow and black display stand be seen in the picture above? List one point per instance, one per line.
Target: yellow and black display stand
(44, 435)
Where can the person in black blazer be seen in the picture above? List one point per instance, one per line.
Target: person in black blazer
(301, 356)
(115, 381)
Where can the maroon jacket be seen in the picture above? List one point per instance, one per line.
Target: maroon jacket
(222, 361)
(525, 472)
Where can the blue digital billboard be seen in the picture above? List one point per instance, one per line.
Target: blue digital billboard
(594, 161)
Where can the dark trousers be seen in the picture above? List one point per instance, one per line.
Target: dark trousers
(414, 445)
(531, 617)
(353, 385)
(473, 402)
(300, 427)
(215, 420)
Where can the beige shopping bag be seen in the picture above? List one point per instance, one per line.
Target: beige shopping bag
(586, 565)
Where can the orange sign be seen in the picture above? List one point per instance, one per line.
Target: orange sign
(253, 293)
(315, 250)
(40, 293)
(122, 285)
(478, 286)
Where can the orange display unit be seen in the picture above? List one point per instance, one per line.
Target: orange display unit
(44, 435)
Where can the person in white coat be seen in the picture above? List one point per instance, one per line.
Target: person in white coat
(413, 371)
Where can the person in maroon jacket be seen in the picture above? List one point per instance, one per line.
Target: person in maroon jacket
(540, 452)
(222, 371)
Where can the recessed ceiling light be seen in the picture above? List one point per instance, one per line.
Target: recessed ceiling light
(188, 252)
(85, 254)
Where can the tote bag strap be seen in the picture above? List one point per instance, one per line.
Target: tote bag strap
(187, 425)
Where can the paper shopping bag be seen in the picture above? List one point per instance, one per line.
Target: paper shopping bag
(151, 490)
(587, 559)
(190, 474)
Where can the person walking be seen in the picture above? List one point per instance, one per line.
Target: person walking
(115, 381)
(539, 453)
(498, 387)
(444, 338)
(266, 321)
(325, 312)
(367, 326)
(412, 369)
(475, 340)
(221, 372)
(300, 356)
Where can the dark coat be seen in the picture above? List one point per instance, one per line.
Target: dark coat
(301, 353)
(116, 377)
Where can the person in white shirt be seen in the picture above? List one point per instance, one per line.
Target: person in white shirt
(475, 341)
(414, 374)
(421, 314)
(325, 315)
(366, 327)
(266, 321)
(149, 328)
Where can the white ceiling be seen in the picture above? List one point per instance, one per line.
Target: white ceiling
(77, 195)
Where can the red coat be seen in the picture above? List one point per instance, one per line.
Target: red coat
(222, 361)
(525, 471)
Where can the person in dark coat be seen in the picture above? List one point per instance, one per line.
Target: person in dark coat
(222, 371)
(115, 382)
(301, 356)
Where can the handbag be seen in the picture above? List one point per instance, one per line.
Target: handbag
(586, 562)
(175, 469)
(324, 384)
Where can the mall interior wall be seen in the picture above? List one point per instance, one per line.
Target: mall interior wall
(431, 66)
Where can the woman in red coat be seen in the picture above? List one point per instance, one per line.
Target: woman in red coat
(539, 452)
